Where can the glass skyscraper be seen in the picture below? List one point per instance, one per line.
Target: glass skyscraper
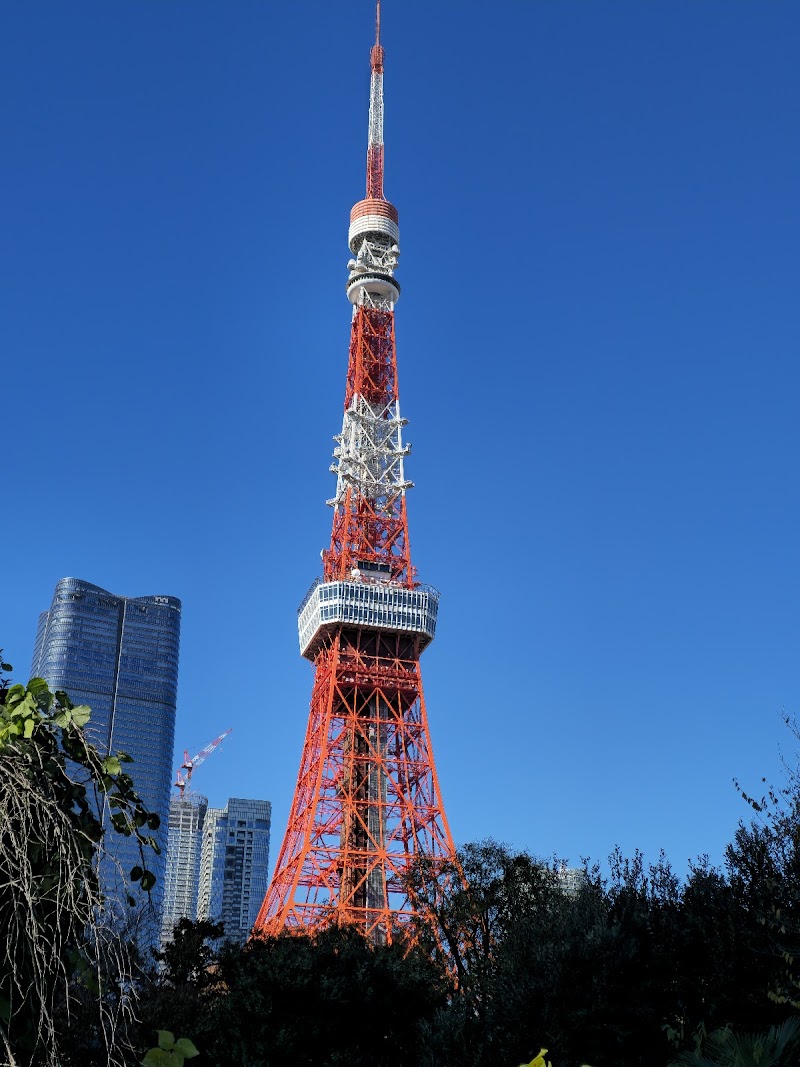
(234, 866)
(119, 655)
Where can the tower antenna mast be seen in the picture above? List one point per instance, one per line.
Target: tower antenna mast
(375, 142)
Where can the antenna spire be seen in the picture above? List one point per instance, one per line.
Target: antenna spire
(375, 146)
(373, 236)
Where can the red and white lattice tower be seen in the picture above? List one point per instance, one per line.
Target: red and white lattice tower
(367, 801)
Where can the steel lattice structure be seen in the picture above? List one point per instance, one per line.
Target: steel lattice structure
(367, 801)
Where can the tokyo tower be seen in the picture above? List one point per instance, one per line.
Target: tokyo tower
(367, 800)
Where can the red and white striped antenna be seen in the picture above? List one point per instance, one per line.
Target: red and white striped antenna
(375, 145)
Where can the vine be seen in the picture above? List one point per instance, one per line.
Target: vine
(59, 948)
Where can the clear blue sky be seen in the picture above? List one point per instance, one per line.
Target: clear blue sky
(598, 341)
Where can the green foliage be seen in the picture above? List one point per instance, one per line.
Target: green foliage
(766, 857)
(53, 784)
(58, 728)
(170, 1053)
(539, 1061)
(188, 957)
(619, 973)
(331, 1000)
(724, 1047)
(184, 992)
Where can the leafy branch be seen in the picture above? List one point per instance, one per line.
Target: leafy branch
(54, 789)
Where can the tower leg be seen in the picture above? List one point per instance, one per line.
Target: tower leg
(367, 799)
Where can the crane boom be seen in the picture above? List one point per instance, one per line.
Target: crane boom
(190, 762)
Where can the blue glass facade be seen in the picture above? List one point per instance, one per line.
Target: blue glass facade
(234, 867)
(119, 655)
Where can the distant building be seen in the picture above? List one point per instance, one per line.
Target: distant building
(119, 655)
(234, 865)
(184, 845)
(571, 879)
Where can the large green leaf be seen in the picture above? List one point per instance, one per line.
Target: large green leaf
(119, 821)
(15, 695)
(187, 1047)
(81, 714)
(157, 1057)
(166, 1040)
(111, 765)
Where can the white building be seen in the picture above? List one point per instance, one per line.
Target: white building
(187, 816)
(571, 879)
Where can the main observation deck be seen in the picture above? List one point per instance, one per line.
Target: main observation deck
(374, 605)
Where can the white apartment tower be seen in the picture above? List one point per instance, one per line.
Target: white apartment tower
(187, 816)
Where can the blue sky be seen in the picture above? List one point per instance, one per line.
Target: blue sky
(598, 342)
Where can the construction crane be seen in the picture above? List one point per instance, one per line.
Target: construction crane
(189, 764)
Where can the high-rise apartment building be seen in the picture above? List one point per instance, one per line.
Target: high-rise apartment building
(119, 655)
(187, 815)
(571, 879)
(234, 866)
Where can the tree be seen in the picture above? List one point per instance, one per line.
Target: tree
(764, 859)
(57, 955)
(187, 958)
(727, 1048)
(331, 999)
(622, 971)
(487, 907)
(182, 992)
